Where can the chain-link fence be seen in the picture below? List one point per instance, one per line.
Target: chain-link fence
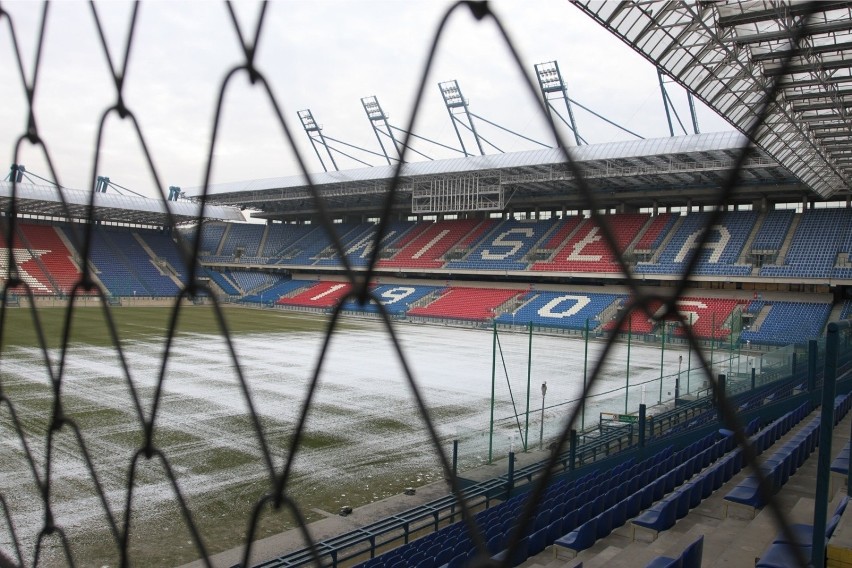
(279, 459)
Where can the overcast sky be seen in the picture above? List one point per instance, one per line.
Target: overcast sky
(318, 55)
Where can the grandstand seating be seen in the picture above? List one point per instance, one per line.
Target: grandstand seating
(279, 236)
(718, 258)
(43, 260)
(463, 303)
(656, 232)
(242, 237)
(320, 295)
(282, 287)
(165, 248)
(113, 268)
(790, 322)
(557, 309)
(810, 254)
(587, 251)
(359, 249)
(211, 236)
(846, 311)
(424, 246)
(396, 298)
(772, 232)
(505, 246)
(703, 312)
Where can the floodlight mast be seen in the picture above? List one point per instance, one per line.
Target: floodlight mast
(670, 108)
(310, 126)
(454, 101)
(552, 88)
(377, 118)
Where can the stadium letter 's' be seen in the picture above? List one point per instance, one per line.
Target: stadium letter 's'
(331, 290)
(394, 295)
(514, 246)
(718, 247)
(549, 309)
(577, 250)
(366, 244)
(430, 244)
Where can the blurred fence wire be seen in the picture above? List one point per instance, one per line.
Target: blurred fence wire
(278, 495)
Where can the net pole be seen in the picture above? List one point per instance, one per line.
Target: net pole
(627, 379)
(585, 370)
(493, 384)
(662, 355)
(712, 340)
(689, 355)
(529, 383)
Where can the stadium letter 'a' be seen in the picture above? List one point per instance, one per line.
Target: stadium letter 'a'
(502, 241)
(718, 247)
(549, 309)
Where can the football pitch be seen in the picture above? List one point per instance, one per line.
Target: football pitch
(364, 438)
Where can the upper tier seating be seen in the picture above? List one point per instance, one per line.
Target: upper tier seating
(720, 254)
(396, 298)
(424, 246)
(656, 232)
(558, 309)
(242, 237)
(279, 236)
(359, 247)
(774, 229)
(211, 237)
(320, 295)
(813, 250)
(587, 251)
(476, 304)
(790, 322)
(505, 246)
(315, 246)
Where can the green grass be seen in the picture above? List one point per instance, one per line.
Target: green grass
(89, 324)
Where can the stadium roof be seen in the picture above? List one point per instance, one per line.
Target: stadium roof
(673, 171)
(729, 53)
(111, 207)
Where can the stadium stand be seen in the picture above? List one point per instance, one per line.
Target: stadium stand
(656, 232)
(721, 253)
(555, 309)
(810, 255)
(505, 247)
(320, 295)
(587, 251)
(424, 248)
(788, 322)
(43, 259)
(476, 304)
(241, 240)
(396, 298)
(271, 294)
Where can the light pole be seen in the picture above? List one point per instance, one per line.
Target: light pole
(541, 432)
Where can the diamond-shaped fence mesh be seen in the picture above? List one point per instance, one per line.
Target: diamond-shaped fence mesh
(60, 471)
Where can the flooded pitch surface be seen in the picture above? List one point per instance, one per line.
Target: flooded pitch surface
(364, 438)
